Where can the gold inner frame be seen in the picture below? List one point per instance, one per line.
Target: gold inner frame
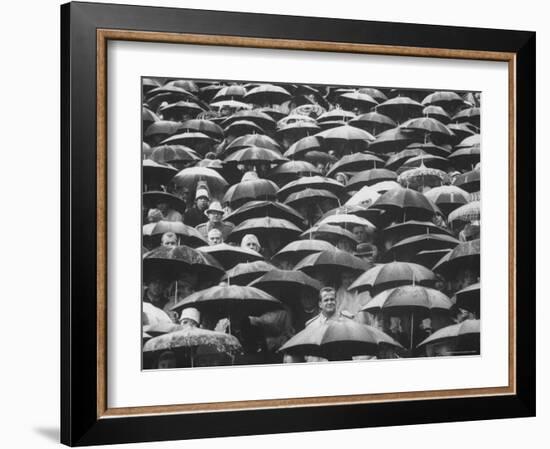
(104, 35)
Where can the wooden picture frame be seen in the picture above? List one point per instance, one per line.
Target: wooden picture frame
(86, 29)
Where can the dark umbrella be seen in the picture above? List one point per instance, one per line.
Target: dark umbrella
(400, 231)
(297, 250)
(300, 148)
(448, 100)
(330, 233)
(232, 92)
(384, 276)
(255, 155)
(392, 141)
(287, 285)
(469, 181)
(338, 339)
(461, 131)
(311, 182)
(466, 254)
(152, 198)
(407, 248)
(447, 198)
(160, 129)
(230, 300)
(464, 337)
(207, 127)
(261, 119)
(186, 234)
(466, 157)
(265, 228)
(169, 262)
(377, 94)
(357, 99)
(178, 109)
(370, 177)
(331, 262)
(373, 122)
(427, 160)
(430, 148)
(355, 163)
(190, 177)
(469, 298)
(169, 154)
(254, 189)
(228, 256)
(242, 128)
(400, 108)
(252, 140)
(398, 159)
(291, 171)
(148, 117)
(438, 113)
(259, 209)
(307, 197)
(247, 272)
(267, 94)
(407, 204)
(157, 174)
(195, 140)
(429, 127)
(346, 138)
(148, 84)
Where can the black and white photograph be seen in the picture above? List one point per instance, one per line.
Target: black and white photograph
(302, 223)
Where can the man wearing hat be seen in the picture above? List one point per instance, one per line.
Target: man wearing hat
(196, 214)
(367, 252)
(215, 215)
(190, 317)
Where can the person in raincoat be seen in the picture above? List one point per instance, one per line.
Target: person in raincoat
(196, 215)
(215, 215)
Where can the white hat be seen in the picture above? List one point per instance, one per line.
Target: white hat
(190, 313)
(215, 206)
(202, 193)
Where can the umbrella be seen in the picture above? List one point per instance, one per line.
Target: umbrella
(167, 94)
(146, 150)
(260, 118)
(155, 173)
(355, 162)
(446, 99)
(148, 84)
(160, 328)
(254, 189)
(300, 148)
(431, 148)
(469, 181)
(406, 203)
(427, 160)
(319, 157)
(259, 209)
(469, 298)
(464, 337)
(467, 213)
(399, 231)
(312, 182)
(346, 137)
(230, 300)
(461, 131)
(188, 85)
(162, 128)
(178, 109)
(428, 126)
(373, 122)
(152, 198)
(252, 140)
(207, 127)
(429, 258)
(297, 250)
(242, 128)
(287, 285)
(307, 197)
(384, 186)
(331, 262)
(421, 177)
(190, 339)
(392, 140)
(400, 108)
(338, 339)
(398, 159)
(330, 233)
(267, 94)
(357, 99)
(148, 117)
(465, 254)
(347, 221)
(408, 247)
(232, 92)
(466, 157)
(470, 115)
(336, 115)
(228, 256)
(265, 227)
(151, 315)
(167, 154)
(437, 112)
(247, 272)
(364, 197)
(292, 170)
(186, 234)
(190, 177)
(195, 140)
(255, 155)
(378, 95)
(469, 142)
(447, 198)
(298, 130)
(370, 177)
(173, 261)
(384, 276)
(233, 105)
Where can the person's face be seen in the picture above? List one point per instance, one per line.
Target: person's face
(327, 304)
(155, 287)
(215, 217)
(215, 238)
(202, 203)
(359, 233)
(341, 179)
(163, 207)
(189, 322)
(253, 246)
(169, 241)
(185, 195)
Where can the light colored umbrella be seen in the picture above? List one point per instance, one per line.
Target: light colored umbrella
(364, 197)
(228, 256)
(467, 213)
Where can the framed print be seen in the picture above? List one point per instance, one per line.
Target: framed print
(274, 224)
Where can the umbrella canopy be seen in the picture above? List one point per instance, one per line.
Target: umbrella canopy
(373, 122)
(168, 154)
(287, 285)
(467, 213)
(155, 173)
(233, 105)
(260, 118)
(364, 197)
(338, 339)
(356, 162)
(469, 142)
(399, 231)
(292, 170)
(461, 130)
(245, 273)
(427, 160)
(255, 155)
(398, 159)
(297, 250)
(405, 203)
(310, 196)
(393, 274)
(466, 157)
(151, 315)
(265, 227)
(267, 94)
(347, 221)
(422, 177)
(162, 129)
(400, 108)
(190, 177)
(259, 209)
(378, 95)
(152, 198)
(173, 261)
(330, 262)
(207, 127)
(393, 140)
(464, 337)
(428, 126)
(186, 234)
(446, 99)
(407, 248)
(189, 337)
(230, 300)
(179, 109)
(469, 181)
(431, 148)
(469, 298)
(311, 182)
(409, 298)
(301, 147)
(370, 177)
(465, 254)
(330, 233)
(336, 114)
(252, 140)
(190, 139)
(470, 115)
(357, 99)
(232, 92)
(447, 198)
(429, 258)
(346, 138)
(255, 189)
(437, 112)
(228, 256)
(243, 127)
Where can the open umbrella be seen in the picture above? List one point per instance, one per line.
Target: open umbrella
(469, 181)
(291, 171)
(406, 204)
(186, 234)
(429, 127)
(180, 108)
(400, 108)
(427, 160)
(365, 197)
(465, 254)
(469, 298)
(336, 114)
(447, 198)
(400, 231)
(377, 94)
(255, 155)
(370, 177)
(331, 262)
(347, 221)
(301, 147)
(330, 233)
(407, 248)
(254, 189)
(467, 213)
(195, 140)
(251, 140)
(466, 157)
(230, 300)
(148, 84)
(431, 148)
(247, 272)
(429, 258)
(171, 262)
(297, 250)
(384, 276)
(168, 154)
(355, 163)
(232, 92)
(422, 176)
(345, 139)
(287, 285)
(242, 128)
(470, 115)
(448, 100)
(160, 129)
(228, 256)
(157, 174)
(207, 127)
(461, 131)
(233, 105)
(373, 122)
(152, 198)
(437, 112)
(259, 209)
(311, 182)
(306, 197)
(338, 339)
(398, 159)
(357, 99)
(267, 94)
(260, 118)
(463, 337)
(190, 177)
(265, 228)
(392, 140)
